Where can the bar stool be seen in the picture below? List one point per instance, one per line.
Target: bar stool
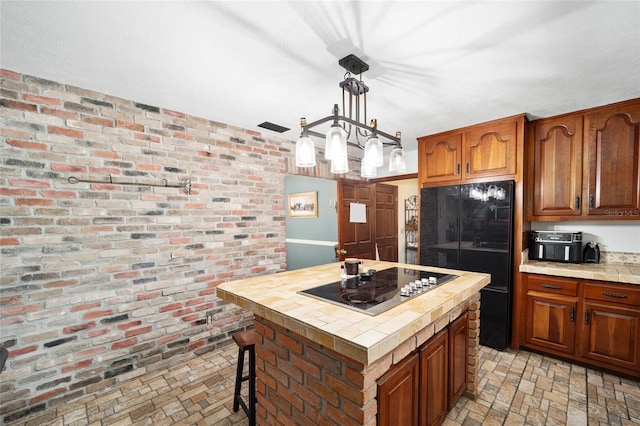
(246, 341)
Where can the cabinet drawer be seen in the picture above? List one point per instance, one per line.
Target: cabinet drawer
(613, 293)
(553, 285)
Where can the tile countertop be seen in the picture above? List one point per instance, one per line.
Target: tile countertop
(629, 274)
(358, 336)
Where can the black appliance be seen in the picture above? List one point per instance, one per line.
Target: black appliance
(378, 291)
(591, 253)
(556, 246)
(470, 227)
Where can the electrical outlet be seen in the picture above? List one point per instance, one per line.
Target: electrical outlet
(209, 319)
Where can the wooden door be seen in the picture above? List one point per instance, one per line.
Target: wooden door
(557, 163)
(612, 321)
(440, 158)
(434, 380)
(612, 150)
(489, 150)
(355, 239)
(612, 335)
(398, 394)
(551, 322)
(458, 352)
(386, 221)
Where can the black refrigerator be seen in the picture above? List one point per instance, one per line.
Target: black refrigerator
(470, 227)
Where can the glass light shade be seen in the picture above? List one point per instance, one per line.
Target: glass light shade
(340, 164)
(336, 137)
(368, 169)
(305, 152)
(373, 147)
(397, 163)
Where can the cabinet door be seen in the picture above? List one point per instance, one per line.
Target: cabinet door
(551, 322)
(458, 351)
(433, 380)
(398, 394)
(557, 159)
(612, 149)
(440, 158)
(490, 150)
(611, 335)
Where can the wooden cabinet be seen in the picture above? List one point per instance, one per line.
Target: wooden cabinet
(592, 322)
(612, 325)
(551, 310)
(586, 164)
(398, 393)
(612, 161)
(557, 159)
(458, 353)
(440, 158)
(434, 361)
(474, 153)
(423, 387)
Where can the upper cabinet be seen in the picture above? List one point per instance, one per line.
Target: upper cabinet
(487, 150)
(585, 165)
(612, 160)
(557, 159)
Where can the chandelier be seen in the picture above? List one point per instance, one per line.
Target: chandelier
(350, 130)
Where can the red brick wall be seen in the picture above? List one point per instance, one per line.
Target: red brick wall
(102, 282)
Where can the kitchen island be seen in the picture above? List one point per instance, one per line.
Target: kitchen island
(319, 363)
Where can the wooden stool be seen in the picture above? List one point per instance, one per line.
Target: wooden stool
(246, 341)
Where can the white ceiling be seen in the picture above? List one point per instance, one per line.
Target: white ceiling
(434, 66)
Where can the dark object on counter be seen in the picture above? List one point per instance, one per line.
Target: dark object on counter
(470, 227)
(591, 253)
(556, 246)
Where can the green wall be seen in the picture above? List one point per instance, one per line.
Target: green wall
(310, 241)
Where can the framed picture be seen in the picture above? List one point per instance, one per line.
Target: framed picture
(303, 204)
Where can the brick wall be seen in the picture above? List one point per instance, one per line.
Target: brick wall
(102, 282)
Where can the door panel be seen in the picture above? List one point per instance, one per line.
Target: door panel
(355, 238)
(386, 222)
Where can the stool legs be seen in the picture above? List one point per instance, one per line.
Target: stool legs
(252, 387)
(236, 392)
(250, 408)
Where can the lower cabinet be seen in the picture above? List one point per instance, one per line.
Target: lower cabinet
(434, 360)
(595, 323)
(422, 388)
(398, 392)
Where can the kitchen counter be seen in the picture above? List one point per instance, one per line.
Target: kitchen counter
(319, 363)
(356, 335)
(629, 274)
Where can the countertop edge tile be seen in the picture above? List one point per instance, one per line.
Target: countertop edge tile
(357, 335)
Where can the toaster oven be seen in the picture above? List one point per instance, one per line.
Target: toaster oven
(556, 246)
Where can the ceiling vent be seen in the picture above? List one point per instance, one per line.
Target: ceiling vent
(274, 127)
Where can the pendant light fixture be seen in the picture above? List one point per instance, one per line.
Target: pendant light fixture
(351, 130)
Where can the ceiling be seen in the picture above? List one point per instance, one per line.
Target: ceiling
(434, 66)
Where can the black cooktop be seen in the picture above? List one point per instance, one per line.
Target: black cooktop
(380, 291)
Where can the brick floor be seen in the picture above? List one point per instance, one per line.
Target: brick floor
(515, 388)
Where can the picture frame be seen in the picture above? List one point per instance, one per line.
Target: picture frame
(303, 205)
